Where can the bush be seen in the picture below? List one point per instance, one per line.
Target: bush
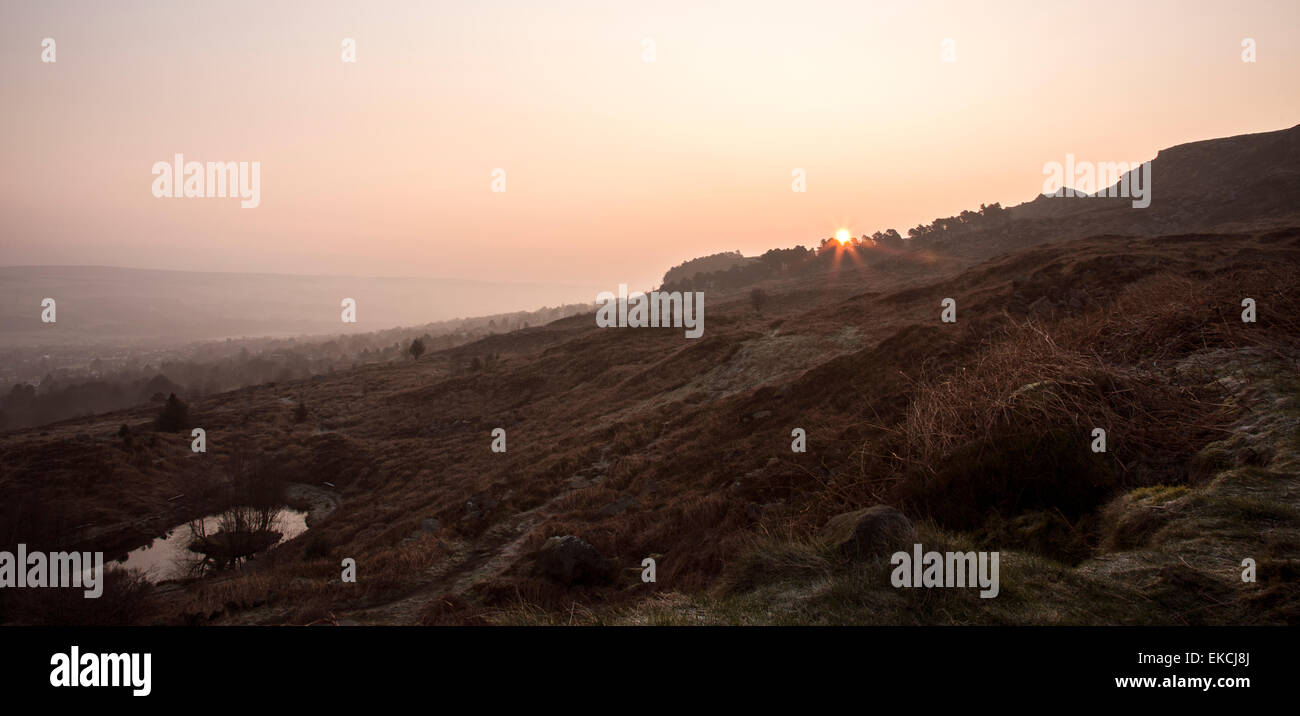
(1012, 433)
(126, 601)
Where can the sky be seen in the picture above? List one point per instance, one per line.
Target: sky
(616, 167)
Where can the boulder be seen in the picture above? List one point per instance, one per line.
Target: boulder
(872, 532)
(570, 560)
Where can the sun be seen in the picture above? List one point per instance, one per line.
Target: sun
(843, 236)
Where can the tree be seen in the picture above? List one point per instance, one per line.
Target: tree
(993, 211)
(248, 527)
(417, 348)
(757, 298)
(175, 415)
(889, 239)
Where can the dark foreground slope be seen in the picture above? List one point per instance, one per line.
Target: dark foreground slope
(645, 444)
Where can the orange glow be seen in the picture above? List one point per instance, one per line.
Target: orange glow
(366, 171)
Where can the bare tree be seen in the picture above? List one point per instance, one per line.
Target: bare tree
(249, 524)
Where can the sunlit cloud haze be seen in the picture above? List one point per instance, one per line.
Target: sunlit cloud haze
(617, 168)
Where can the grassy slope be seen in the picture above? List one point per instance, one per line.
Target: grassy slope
(645, 443)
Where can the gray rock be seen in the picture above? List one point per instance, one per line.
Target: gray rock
(431, 524)
(872, 532)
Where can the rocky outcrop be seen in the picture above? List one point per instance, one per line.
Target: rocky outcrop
(871, 532)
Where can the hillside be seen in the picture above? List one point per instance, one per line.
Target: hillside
(1232, 184)
(1226, 183)
(628, 444)
(643, 444)
(687, 270)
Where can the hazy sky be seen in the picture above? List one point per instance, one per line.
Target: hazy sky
(616, 168)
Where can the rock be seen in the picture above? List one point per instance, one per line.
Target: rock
(762, 414)
(479, 505)
(872, 532)
(430, 524)
(570, 560)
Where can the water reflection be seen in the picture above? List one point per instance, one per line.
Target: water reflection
(225, 539)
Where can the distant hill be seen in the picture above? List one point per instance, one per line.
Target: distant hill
(704, 264)
(1249, 182)
(1199, 185)
(98, 303)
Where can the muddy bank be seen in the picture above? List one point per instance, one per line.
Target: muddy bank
(319, 502)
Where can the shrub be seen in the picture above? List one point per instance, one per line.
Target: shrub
(1012, 433)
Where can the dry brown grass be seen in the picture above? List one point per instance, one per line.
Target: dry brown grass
(923, 415)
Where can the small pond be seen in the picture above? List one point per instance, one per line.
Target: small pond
(170, 557)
